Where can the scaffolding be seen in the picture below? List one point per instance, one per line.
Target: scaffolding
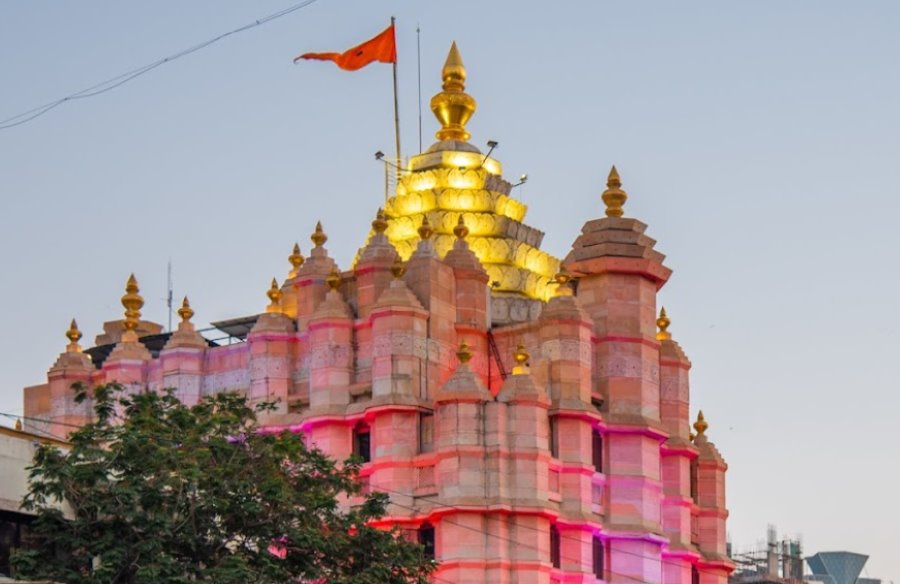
(776, 561)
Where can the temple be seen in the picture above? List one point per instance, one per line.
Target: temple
(528, 416)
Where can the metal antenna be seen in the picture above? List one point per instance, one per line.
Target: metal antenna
(169, 295)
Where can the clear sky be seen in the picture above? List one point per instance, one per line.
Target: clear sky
(759, 140)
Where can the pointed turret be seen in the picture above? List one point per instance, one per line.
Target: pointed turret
(310, 283)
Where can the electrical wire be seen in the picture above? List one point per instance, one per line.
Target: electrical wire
(123, 78)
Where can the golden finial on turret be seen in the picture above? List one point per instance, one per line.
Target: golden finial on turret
(185, 312)
(296, 258)
(398, 268)
(133, 302)
(464, 353)
(453, 106)
(334, 279)
(19, 424)
(562, 279)
(380, 224)
(73, 334)
(521, 356)
(274, 293)
(461, 231)
(663, 323)
(318, 237)
(614, 197)
(425, 230)
(700, 425)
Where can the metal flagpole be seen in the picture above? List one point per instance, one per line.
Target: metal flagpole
(396, 103)
(419, 65)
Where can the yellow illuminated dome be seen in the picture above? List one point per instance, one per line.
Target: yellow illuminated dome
(452, 179)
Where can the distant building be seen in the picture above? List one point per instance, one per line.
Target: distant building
(838, 568)
(16, 454)
(525, 415)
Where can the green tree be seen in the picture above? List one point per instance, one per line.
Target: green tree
(167, 493)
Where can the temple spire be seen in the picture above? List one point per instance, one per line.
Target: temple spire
(700, 425)
(453, 106)
(132, 301)
(185, 312)
(296, 258)
(614, 197)
(663, 323)
(274, 293)
(74, 335)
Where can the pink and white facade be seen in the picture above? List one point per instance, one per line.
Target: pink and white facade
(576, 466)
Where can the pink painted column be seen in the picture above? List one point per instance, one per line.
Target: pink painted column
(677, 454)
(619, 274)
(461, 475)
(711, 511)
(525, 475)
(70, 368)
(182, 359)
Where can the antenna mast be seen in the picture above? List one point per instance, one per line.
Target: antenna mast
(169, 294)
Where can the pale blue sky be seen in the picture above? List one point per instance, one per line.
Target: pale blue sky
(759, 141)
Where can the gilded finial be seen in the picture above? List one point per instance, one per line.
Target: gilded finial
(296, 258)
(425, 230)
(380, 224)
(398, 268)
(185, 312)
(318, 237)
(132, 301)
(461, 231)
(453, 106)
(614, 197)
(562, 279)
(700, 425)
(334, 279)
(274, 293)
(19, 424)
(521, 356)
(663, 323)
(73, 334)
(464, 353)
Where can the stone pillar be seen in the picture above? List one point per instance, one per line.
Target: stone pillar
(331, 352)
(434, 284)
(272, 342)
(525, 472)
(460, 431)
(619, 274)
(310, 286)
(399, 329)
(711, 511)
(72, 367)
(181, 360)
(677, 453)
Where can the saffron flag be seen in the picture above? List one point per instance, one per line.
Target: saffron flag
(382, 48)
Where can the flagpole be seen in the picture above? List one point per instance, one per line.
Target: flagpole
(396, 105)
(419, 66)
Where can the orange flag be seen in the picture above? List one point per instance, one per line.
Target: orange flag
(382, 48)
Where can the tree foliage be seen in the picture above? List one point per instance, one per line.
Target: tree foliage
(167, 493)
